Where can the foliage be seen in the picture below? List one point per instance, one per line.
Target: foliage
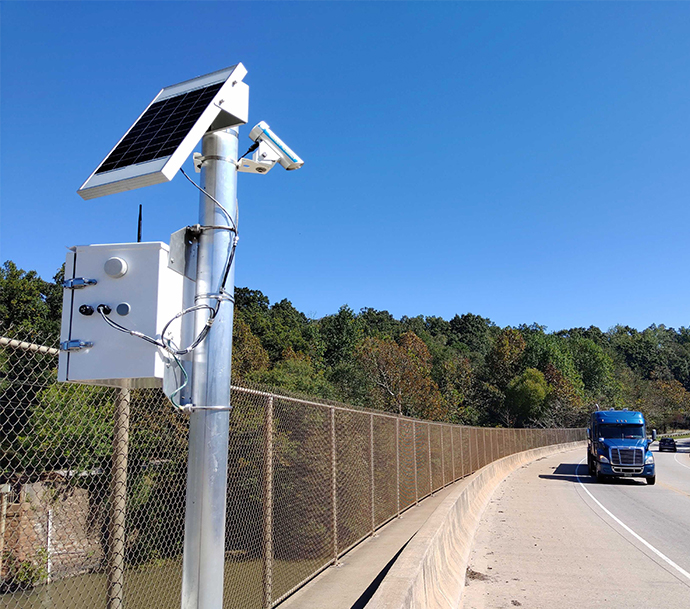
(70, 428)
(466, 369)
(29, 302)
(400, 374)
(526, 397)
(23, 574)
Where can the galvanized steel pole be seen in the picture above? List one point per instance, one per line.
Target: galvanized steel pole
(204, 543)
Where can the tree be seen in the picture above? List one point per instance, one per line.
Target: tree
(295, 372)
(340, 334)
(472, 331)
(29, 303)
(504, 359)
(248, 356)
(401, 376)
(525, 397)
(456, 386)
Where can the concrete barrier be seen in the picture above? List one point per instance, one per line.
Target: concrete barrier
(430, 572)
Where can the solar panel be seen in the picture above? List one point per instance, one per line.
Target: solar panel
(158, 143)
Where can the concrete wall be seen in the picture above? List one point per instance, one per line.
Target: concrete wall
(58, 532)
(430, 572)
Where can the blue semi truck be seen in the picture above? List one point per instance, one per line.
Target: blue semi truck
(617, 446)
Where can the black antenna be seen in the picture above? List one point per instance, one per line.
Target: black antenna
(139, 227)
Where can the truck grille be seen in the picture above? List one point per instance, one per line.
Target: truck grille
(627, 456)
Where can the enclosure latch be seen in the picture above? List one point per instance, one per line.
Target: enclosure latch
(75, 345)
(78, 283)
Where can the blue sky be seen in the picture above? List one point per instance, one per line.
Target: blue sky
(527, 162)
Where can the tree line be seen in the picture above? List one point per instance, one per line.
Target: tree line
(464, 370)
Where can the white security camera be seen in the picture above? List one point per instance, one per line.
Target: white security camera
(269, 149)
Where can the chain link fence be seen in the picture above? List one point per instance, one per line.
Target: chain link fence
(92, 486)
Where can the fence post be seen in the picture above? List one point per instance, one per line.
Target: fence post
(476, 441)
(334, 488)
(118, 500)
(397, 462)
(452, 451)
(431, 475)
(371, 469)
(268, 504)
(414, 454)
(443, 461)
(462, 452)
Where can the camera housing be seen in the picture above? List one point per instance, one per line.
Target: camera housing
(271, 150)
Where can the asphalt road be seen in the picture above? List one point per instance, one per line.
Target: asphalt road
(554, 538)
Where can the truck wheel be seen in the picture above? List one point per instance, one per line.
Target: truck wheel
(600, 477)
(590, 465)
(651, 480)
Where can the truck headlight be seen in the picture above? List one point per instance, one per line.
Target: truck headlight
(649, 460)
(603, 459)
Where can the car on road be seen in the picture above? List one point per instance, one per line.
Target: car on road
(667, 444)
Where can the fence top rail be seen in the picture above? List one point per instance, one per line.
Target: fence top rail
(20, 344)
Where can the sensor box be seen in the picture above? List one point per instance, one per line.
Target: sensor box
(143, 293)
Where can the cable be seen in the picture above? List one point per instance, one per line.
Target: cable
(101, 309)
(166, 343)
(202, 335)
(225, 211)
(252, 148)
(182, 386)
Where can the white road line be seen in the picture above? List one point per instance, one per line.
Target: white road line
(663, 557)
(679, 463)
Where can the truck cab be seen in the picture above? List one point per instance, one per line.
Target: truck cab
(617, 446)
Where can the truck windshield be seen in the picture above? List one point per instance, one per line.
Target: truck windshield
(621, 432)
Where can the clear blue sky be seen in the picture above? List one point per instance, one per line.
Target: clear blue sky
(527, 162)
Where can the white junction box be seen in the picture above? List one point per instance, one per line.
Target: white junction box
(142, 292)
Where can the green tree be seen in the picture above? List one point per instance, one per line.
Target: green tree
(248, 356)
(525, 398)
(340, 333)
(28, 303)
(473, 331)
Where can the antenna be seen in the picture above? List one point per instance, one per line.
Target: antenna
(139, 225)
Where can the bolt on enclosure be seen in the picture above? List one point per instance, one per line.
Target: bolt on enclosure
(141, 292)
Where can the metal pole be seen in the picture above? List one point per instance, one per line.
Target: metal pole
(334, 487)
(118, 501)
(4, 490)
(49, 545)
(397, 463)
(476, 445)
(452, 451)
(371, 468)
(443, 461)
(462, 453)
(204, 556)
(428, 442)
(268, 503)
(414, 455)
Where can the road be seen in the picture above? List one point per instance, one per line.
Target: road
(552, 537)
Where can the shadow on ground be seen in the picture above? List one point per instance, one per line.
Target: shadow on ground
(578, 472)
